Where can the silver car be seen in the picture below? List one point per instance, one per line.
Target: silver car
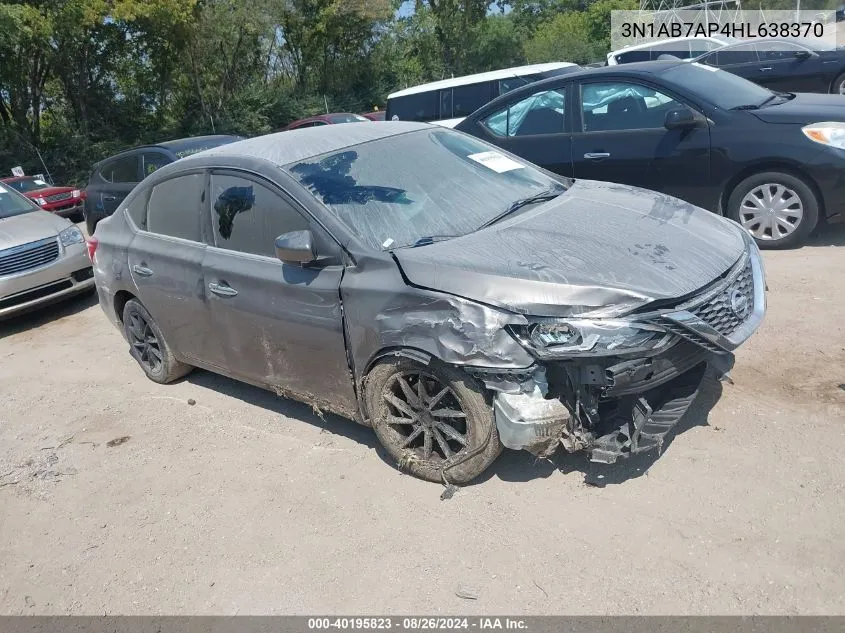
(43, 257)
(454, 297)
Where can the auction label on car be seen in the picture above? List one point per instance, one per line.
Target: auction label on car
(495, 161)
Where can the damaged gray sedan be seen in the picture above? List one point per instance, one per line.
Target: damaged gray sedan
(450, 295)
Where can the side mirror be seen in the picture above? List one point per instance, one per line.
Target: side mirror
(296, 247)
(683, 118)
(802, 55)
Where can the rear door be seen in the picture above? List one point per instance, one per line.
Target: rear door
(622, 138)
(281, 324)
(165, 262)
(535, 127)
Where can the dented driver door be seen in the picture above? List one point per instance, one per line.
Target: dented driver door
(280, 324)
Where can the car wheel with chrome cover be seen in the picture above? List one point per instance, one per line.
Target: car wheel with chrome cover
(778, 209)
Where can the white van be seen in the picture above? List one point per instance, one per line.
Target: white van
(448, 101)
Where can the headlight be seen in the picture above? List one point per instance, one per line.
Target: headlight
(75, 193)
(830, 133)
(71, 235)
(40, 202)
(592, 337)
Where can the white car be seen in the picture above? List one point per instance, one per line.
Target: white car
(680, 47)
(43, 257)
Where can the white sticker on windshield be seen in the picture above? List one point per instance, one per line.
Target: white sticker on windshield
(495, 161)
(712, 69)
(40, 183)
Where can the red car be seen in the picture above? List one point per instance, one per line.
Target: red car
(326, 119)
(376, 115)
(64, 201)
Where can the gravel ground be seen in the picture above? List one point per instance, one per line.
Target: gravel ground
(248, 503)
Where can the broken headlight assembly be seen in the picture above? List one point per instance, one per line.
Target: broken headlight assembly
(591, 337)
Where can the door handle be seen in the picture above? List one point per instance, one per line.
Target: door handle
(766, 69)
(142, 271)
(596, 155)
(223, 290)
(109, 198)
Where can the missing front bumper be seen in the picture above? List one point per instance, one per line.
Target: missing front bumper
(618, 424)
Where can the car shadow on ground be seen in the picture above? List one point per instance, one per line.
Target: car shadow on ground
(42, 316)
(298, 411)
(833, 235)
(514, 466)
(522, 466)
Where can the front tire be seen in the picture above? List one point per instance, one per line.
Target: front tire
(148, 347)
(428, 418)
(778, 209)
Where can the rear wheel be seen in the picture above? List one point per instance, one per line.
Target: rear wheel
(838, 85)
(430, 418)
(148, 347)
(778, 209)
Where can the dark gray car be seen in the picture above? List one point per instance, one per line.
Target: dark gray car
(418, 280)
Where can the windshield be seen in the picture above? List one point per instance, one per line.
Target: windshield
(399, 190)
(28, 184)
(12, 203)
(347, 118)
(720, 88)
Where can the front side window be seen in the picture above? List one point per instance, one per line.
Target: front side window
(174, 207)
(124, 170)
(248, 217)
(623, 106)
(778, 51)
(12, 203)
(437, 184)
(540, 113)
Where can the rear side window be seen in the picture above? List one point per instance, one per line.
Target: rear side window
(422, 106)
(248, 217)
(540, 113)
(122, 170)
(154, 161)
(174, 207)
(137, 210)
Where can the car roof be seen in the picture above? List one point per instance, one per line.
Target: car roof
(668, 40)
(283, 148)
(17, 178)
(504, 73)
(175, 145)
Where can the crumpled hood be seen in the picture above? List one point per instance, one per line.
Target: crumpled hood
(597, 245)
(803, 109)
(30, 227)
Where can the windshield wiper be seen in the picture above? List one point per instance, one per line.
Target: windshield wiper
(757, 106)
(548, 194)
(429, 239)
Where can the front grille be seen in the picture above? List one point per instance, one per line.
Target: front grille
(58, 196)
(721, 312)
(37, 293)
(28, 256)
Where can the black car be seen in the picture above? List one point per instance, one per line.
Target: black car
(772, 161)
(782, 64)
(114, 177)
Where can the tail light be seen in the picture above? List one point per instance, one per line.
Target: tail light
(92, 243)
